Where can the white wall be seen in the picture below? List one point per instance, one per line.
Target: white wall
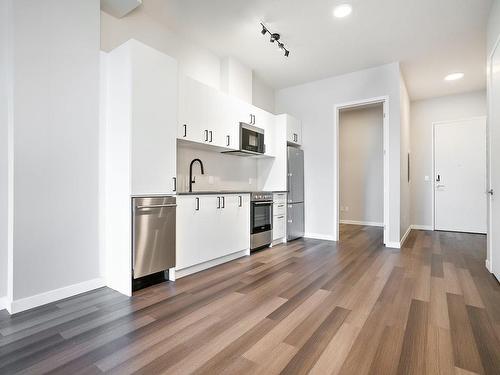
(194, 60)
(361, 147)
(55, 118)
(493, 34)
(493, 29)
(313, 103)
(222, 171)
(236, 79)
(423, 114)
(405, 210)
(4, 148)
(262, 95)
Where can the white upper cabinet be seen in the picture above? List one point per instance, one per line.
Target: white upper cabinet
(211, 117)
(293, 130)
(142, 118)
(204, 115)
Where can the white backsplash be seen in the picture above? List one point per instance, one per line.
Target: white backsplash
(222, 171)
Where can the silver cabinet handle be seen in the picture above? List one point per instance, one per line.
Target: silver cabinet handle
(175, 183)
(156, 206)
(210, 132)
(206, 135)
(218, 202)
(241, 201)
(228, 139)
(491, 192)
(223, 202)
(185, 130)
(261, 203)
(197, 204)
(280, 217)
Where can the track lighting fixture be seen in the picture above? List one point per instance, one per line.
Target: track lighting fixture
(274, 37)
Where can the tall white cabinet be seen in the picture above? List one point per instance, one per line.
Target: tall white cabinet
(140, 145)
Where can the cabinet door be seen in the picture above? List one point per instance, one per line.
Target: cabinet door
(195, 230)
(279, 227)
(236, 223)
(294, 130)
(192, 110)
(154, 124)
(265, 120)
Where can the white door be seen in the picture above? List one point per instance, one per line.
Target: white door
(460, 176)
(494, 163)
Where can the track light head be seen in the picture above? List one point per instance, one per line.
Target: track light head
(274, 37)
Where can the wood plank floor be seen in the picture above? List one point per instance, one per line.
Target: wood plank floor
(316, 307)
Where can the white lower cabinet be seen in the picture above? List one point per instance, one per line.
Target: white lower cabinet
(279, 216)
(279, 227)
(210, 227)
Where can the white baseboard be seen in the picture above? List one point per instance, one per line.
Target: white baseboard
(318, 236)
(367, 223)
(211, 263)
(54, 295)
(4, 303)
(393, 245)
(421, 227)
(405, 236)
(488, 266)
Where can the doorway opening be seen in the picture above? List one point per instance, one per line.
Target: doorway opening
(362, 170)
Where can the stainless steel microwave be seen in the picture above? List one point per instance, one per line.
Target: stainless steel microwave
(251, 141)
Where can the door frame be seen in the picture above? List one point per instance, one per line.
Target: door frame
(489, 101)
(384, 100)
(433, 177)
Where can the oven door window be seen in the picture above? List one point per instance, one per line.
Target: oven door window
(261, 217)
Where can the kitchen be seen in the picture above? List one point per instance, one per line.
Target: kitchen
(172, 187)
(207, 177)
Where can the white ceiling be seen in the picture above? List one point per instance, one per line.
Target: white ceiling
(430, 38)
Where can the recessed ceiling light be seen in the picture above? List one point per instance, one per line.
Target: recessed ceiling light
(454, 76)
(342, 10)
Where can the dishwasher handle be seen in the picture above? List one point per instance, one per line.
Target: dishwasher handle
(157, 206)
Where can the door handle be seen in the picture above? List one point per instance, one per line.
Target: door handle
(491, 192)
(156, 206)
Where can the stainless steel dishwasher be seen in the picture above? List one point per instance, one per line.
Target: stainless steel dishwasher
(153, 235)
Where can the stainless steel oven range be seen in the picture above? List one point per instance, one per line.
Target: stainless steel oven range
(261, 220)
